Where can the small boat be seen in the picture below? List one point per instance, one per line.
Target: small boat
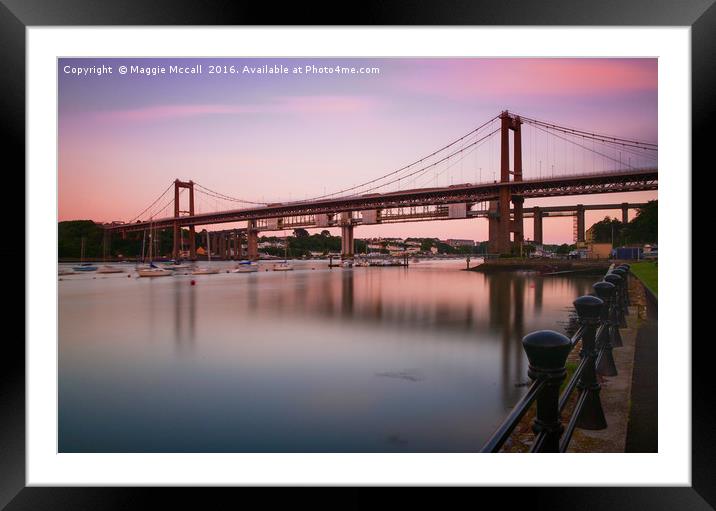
(109, 269)
(347, 264)
(246, 267)
(205, 271)
(284, 266)
(153, 272)
(85, 267)
(65, 271)
(177, 266)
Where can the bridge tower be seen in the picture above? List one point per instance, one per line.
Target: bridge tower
(347, 244)
(500, 222)
(177, 212)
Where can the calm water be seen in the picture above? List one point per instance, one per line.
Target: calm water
(424, 359)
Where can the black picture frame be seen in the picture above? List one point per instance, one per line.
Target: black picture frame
(17, 15)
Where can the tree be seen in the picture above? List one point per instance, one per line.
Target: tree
(325, 233)
(644, 228)
(300, 233)
(607, 230)
(564, 248)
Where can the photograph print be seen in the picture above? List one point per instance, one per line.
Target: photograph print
(357, 255)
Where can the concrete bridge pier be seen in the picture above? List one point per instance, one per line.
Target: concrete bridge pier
(493, 224)
(192, 243)
(537, 236)
(347, 242)
(238, 250)
(518, 222)
(252, 241)
(580, 223)
(625, 213)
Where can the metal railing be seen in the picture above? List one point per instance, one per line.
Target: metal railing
(600, 317)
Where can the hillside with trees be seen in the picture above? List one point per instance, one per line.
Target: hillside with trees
(643, 228)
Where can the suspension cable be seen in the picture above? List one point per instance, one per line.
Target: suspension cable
(586, 134)
(152, 204)
(384, 176)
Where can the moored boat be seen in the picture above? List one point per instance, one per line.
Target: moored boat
(109, 269)
(153, 272)
(246, 267)
(205, 271)
(85, 267)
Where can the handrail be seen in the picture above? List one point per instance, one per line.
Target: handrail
(600, 318)
(505, 429)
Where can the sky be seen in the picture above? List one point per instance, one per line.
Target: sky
(275, 137)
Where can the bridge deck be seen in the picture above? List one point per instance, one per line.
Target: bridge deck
(613, 182)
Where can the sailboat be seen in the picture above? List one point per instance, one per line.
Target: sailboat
(206, 271)
(84, 266)
(153, 270)
(246, 267)
(284, 266)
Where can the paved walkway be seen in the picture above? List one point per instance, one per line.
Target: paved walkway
(643, 430)
(629, 399)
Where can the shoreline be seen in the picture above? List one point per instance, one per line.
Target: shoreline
(545, 266)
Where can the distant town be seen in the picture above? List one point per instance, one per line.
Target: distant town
(604, 239)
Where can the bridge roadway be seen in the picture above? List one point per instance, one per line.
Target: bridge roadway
(468, 194)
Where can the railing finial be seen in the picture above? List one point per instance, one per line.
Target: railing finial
(547, 354)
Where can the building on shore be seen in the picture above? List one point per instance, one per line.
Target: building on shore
(456, 243)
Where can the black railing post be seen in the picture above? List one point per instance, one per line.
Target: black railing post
(610, 334)
(624, 290)
(589, 309)
(615, 278)
(547, 354)
(626, 278)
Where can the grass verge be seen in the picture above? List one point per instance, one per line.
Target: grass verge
(647, 272)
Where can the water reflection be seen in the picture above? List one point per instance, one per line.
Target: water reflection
(184, 315)
(423, 359)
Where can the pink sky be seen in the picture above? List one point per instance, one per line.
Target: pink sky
(272, 138)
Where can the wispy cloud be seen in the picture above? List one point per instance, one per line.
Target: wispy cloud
(279, 105)
(532, 77)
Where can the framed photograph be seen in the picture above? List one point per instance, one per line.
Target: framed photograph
(421, 249)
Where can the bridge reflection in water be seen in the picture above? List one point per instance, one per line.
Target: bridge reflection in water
(422, 359)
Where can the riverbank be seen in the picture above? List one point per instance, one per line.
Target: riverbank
(647, 272)
(543, 265)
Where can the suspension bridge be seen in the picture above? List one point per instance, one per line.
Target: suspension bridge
(547, 160)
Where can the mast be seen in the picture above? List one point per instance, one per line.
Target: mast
(151, 241)
(208, 245)
(82, 250)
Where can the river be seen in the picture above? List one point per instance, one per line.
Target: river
(420, 359)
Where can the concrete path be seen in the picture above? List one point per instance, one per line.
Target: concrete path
(643, 429)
